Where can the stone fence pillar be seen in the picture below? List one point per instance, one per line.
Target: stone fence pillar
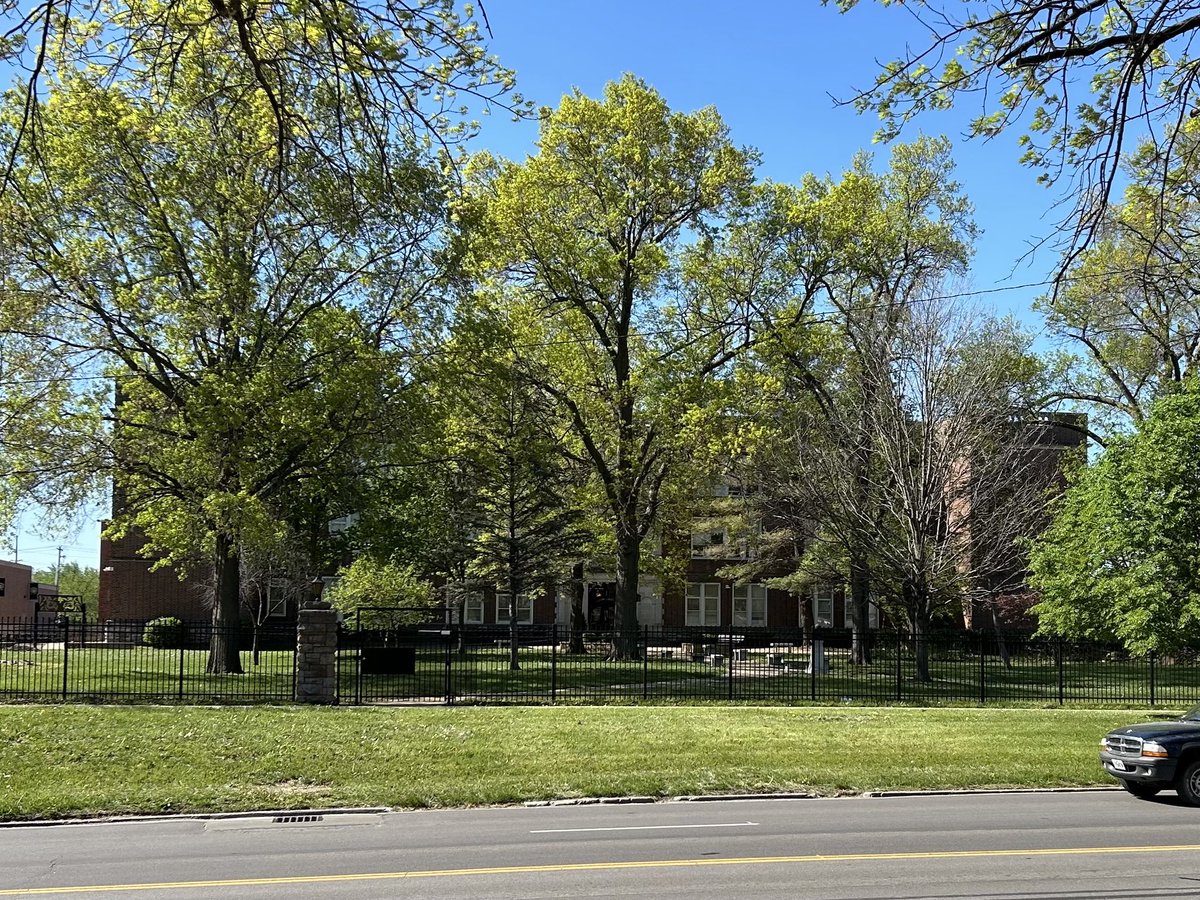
(316, 654)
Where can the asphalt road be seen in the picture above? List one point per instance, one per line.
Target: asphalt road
(1061, 846)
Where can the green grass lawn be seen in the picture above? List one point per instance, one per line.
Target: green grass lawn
(85, 760)
(138, 673)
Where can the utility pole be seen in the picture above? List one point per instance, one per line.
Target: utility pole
(58, 568)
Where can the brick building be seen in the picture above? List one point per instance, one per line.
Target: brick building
(130, 591)
(19, 593)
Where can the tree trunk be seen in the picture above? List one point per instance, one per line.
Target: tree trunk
(578, 618)
(918, 604)
(514, 636)
(921, 638)
(860, 614)
(626, 644)
(223, 656)
(1000, 644)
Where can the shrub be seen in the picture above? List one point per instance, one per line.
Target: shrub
(166, 633)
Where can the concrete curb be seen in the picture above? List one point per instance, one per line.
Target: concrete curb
(865, 795)
(198, 816)
(532, 804)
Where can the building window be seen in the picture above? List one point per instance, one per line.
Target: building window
(524, 609)
(823, 606)
(703, 603)
(872, 614)
(473, 609)
(277, 598)
(750, 605)
(343, 523)
(708, 543)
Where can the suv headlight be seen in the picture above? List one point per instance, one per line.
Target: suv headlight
(1153, 748)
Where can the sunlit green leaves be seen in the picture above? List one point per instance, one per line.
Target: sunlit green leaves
(1120, 559)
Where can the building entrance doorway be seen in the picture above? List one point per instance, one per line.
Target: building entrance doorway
(601, 606)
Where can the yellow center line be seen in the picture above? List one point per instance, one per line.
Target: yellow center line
(588, 867)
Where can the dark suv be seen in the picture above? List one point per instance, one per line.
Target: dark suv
(1154, 756)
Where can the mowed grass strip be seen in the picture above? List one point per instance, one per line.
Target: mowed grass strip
(60, 761)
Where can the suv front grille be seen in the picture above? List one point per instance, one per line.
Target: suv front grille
(1124, 745)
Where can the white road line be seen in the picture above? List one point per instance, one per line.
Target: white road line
(641, 828)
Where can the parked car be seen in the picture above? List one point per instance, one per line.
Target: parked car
(1155, 756)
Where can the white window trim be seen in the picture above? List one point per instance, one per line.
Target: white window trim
(752, 595)
(473, 609)
(278, 590)
(820, 595)
(524, 609)
(872, 615)
(707, 595)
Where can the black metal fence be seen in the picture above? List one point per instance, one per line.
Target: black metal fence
(64, 659)
(473, 664)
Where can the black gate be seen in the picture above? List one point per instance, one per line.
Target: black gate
(395, 654)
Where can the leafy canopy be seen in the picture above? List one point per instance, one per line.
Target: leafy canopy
(1122, 556)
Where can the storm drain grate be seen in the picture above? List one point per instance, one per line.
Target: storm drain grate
(295, 820)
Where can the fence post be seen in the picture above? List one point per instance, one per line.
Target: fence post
(1058, 654)
(66, 630)
(316, 652)
(1153, 656)
(982, 672)
(448, 682)
(554, 664)
(645, 661)
(729, 659)
(182, 651)
(899, 664)
(812, 665)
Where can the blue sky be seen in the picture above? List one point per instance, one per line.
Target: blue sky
(771, 68)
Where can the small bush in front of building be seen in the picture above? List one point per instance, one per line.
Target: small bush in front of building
(166, 633)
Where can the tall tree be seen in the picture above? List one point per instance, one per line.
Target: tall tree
(251, 309)
(1122, 558)
(843, 264)
(589, 229)
(957, 483)
(1083, 80)
(512, 437)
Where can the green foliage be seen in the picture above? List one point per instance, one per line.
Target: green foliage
(510, 435)
(387, 582)
(1122, 556)
(165, 633)
(417, 68)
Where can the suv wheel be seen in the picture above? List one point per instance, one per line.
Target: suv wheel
(1187, 783)
(1142, 789)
